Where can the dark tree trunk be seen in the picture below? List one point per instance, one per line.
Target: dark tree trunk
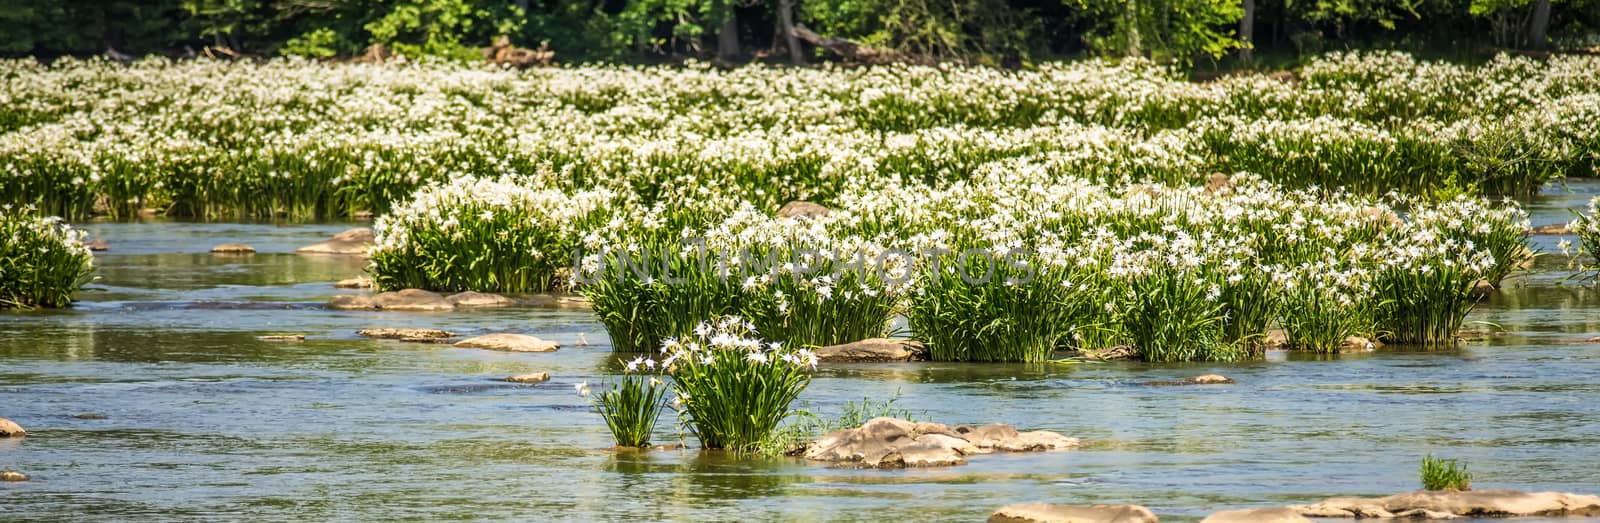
(1131, 19)
(728, 37)
(786, 17)
(1247, 32)
(1541, 25)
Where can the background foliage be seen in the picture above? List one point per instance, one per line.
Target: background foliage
(1000, 32)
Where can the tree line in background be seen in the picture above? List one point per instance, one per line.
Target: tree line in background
(995, 32)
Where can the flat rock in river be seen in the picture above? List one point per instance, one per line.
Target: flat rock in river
(353, 241)
(400, 334)
(233, 248)
(352, 302)
(873, 349)
(471, 299)
(532, 377)
(509, 342)
(895, 443)
(412, 300)
(10, 429)
(1053, 513)
(1257, 515)
(359, 282)
(1473, 503)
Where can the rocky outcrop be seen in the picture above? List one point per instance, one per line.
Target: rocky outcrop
(896, 443)
(471, 299)
(509, 343)
(556, 301)
(359, 282)
(401, 334)
(10, 429)
(233, 248)
(803, 209)
(412, 300)
(1052, 513)
(352, 302)
(1359, 344)
(532, 377)
(350, 242)
(1448, 504)
(1257, 515)
(1219, 184)
(873, 349)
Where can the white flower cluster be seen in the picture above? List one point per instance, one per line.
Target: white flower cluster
(307, 137)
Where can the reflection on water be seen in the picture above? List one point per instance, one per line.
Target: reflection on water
(203, 420)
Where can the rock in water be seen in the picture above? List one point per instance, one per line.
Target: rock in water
(282, 337)
(353, 241)
(352, 302)
(1276, 339)
(359, 282)
(12, 475)
(1438, 504)
(532, 377)
(400, 334)
(509, 342)
(98, 244)
(896, 443)
(416, 300)
(873, 349)
(1554, 228)
(1052, 513)
(471, 299)
(1211, 379)
(233, 248)
(1257, 515)
(10, 429)
(803, 209)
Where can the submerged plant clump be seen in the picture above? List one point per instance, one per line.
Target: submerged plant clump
(43, 261)
(630, 407)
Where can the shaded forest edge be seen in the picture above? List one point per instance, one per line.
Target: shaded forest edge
(1207, 34)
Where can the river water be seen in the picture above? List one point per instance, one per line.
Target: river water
(203, 421)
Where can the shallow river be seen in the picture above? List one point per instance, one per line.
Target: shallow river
(201, 420)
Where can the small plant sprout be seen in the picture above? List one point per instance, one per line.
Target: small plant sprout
(1444, 474)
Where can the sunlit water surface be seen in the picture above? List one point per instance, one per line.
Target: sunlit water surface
(202, 420)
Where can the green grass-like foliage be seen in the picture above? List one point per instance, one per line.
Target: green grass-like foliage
(1587, 227)
(42, 260)
(987, 309)
(734, 388)
(1444, 474)
(483, 235)
(661, 290)
(630, 407)
(309, 140)
(1319, 313)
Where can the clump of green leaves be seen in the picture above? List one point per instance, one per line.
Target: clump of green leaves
(630, 407)
(1444, 474)
(734, 388)
(42, 260)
